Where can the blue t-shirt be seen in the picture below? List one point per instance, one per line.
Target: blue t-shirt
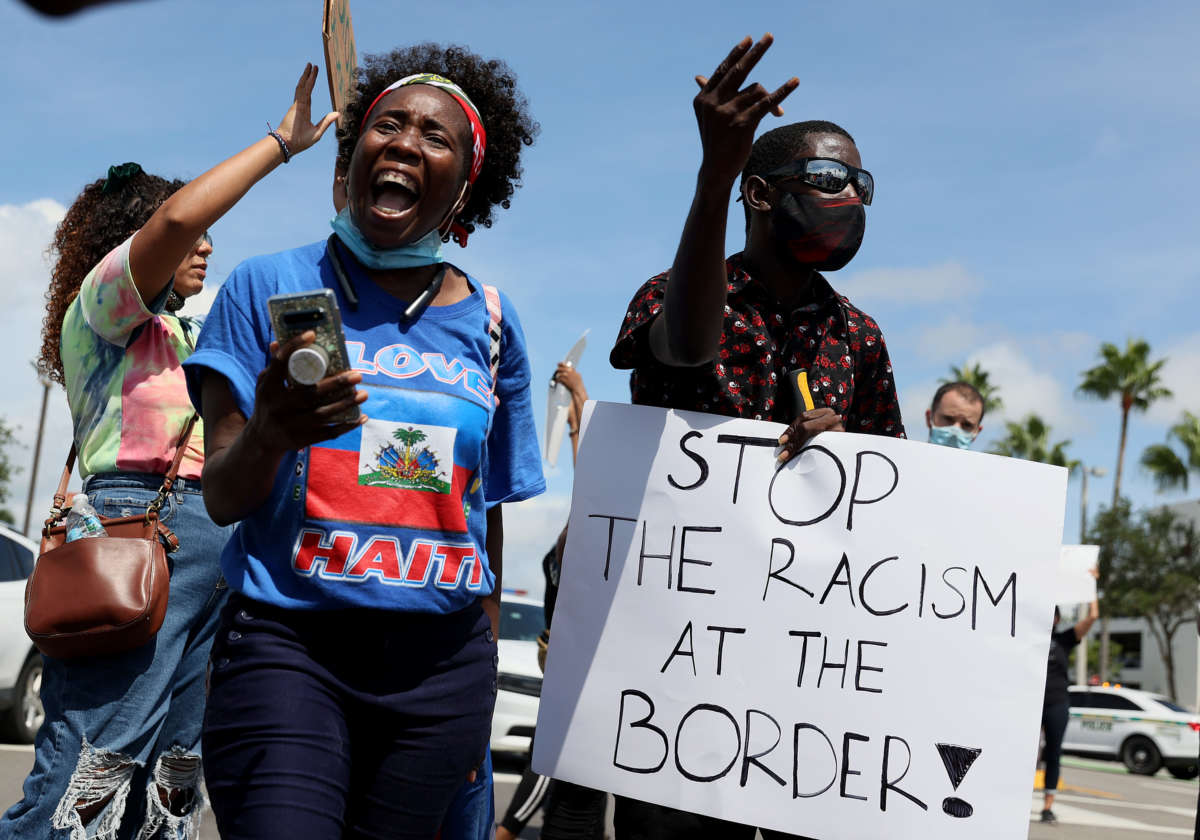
(393, 514)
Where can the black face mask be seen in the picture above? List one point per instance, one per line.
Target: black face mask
(821, 233)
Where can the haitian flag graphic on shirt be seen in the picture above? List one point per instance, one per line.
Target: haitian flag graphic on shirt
(390, 500)
(406, 457)
(404, 475)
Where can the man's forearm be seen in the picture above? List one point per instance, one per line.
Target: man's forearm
(688, 330)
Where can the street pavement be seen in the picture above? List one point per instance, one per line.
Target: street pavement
(1097, 800)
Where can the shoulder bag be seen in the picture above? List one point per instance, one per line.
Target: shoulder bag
(103, 595)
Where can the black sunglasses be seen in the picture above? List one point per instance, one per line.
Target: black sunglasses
(828, 175)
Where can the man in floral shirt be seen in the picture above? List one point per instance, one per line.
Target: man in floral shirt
(720, 335)
(727, 336)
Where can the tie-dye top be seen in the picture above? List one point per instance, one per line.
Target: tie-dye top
(122, 363)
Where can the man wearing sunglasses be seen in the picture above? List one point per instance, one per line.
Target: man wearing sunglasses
(762, 334)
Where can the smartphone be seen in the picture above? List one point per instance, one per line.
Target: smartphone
(297, 313)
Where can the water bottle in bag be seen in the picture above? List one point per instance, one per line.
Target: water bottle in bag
(83, 521)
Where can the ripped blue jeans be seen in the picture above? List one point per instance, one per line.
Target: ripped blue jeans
(118, 755)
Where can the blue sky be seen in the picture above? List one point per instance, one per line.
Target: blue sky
(1032, 162)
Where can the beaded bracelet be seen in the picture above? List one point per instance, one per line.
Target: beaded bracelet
(287, 155)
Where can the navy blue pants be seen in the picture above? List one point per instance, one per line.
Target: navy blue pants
(323, 725)
(1054, 723)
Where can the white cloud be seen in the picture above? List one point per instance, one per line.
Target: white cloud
(1026, 388)
(25, 232)
(200, 303)
(913, 403)
(530, 528)
(1069, 344)
(952, 339)
(1180, 375)
(932, 284)
(1023, 386)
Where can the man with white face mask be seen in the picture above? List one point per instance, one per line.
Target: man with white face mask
(956, 416)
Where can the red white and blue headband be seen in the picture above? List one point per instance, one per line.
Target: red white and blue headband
(478, 135)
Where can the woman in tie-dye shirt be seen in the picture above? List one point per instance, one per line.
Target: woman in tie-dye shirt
(118, 755)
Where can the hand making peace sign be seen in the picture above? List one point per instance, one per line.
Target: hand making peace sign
(728, 114)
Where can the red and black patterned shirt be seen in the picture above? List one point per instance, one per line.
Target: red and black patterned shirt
(839, 345)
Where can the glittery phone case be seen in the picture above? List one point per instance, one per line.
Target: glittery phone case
(296, 313)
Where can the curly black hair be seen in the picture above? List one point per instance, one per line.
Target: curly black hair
(778, 146)
(491, 86)
(96, 222)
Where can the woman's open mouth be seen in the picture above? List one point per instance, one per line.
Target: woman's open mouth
(394, 192)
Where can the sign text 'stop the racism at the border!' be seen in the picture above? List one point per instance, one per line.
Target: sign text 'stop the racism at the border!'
(852, 646)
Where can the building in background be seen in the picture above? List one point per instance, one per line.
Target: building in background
(1141, 663)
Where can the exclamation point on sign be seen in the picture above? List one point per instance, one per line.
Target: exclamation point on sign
(958, 761)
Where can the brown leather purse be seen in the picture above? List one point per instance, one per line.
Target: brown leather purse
(104, 595)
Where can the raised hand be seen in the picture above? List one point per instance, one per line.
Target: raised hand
(296, 127)
(729, 114)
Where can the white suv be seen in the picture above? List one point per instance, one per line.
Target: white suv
(20, 663)
(520, 677)
(1145, 731)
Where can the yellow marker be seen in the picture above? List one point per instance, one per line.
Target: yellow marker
(802, 389)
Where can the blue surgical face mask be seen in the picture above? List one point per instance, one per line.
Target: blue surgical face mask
(951, 436)
(425, 251)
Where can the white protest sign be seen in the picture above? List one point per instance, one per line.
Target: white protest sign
(853, 646)
(1076, 585)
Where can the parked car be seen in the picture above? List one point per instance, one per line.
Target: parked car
(1145, 731)
(20, 664)
(520, 679)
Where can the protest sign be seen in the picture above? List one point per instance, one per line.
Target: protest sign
(558, 403)
(1076, 585)
(852, 646)
(341, 61)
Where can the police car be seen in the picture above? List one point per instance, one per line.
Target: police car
(1145, 731)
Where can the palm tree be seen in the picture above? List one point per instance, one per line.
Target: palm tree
(978, 377)
(1136, 382)
(1133, 379)
(1168, 468)
(410, 438)
(1030, 440)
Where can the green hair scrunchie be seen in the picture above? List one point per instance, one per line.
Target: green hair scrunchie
(119, 175)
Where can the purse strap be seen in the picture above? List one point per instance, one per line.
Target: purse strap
(169, 478)
(60, 496)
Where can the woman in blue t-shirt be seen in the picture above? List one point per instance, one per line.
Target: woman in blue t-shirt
(354, 674)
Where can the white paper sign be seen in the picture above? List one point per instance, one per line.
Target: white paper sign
(1075, 582)
(851, 647)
